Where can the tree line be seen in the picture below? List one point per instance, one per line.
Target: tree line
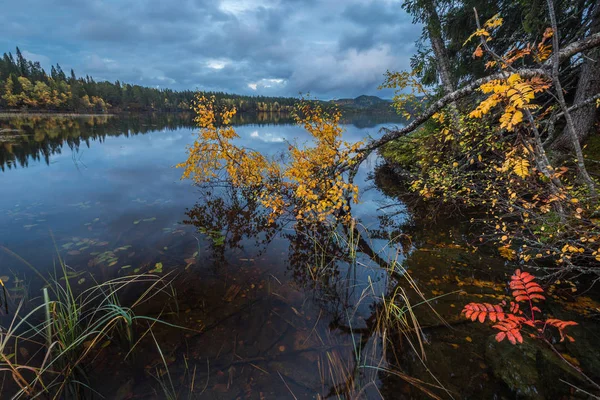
(25, 85)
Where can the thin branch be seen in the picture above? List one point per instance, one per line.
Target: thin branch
(567, 52)
(557, 116)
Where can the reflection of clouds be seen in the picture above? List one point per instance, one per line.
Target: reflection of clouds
(267, 137)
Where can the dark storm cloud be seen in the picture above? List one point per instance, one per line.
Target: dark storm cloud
(273, 47)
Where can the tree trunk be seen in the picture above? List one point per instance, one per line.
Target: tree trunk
(434, 29)
(443, 65)
(583, 174)
(588, 85)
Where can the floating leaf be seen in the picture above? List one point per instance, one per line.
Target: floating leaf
(158, 267)
(122, 248)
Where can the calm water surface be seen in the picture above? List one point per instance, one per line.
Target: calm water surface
(103, 193)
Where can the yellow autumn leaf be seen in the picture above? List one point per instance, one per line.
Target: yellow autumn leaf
(507, 252)
(494, 22)
(513, 79)
(521, 167)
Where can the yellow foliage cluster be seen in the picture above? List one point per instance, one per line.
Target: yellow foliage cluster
(478, 33)
(495, 22)
(514, 93)
(36, 95)
(319, 190)
(492, 162)
(307, 183)
(214, 150)
(517, 161)
(490, 25)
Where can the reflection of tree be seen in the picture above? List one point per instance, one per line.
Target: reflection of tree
(232, 220)
(370, 120)
(39, 137)
(36, 138)
(321, 257)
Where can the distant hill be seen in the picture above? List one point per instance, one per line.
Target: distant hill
(365, 103)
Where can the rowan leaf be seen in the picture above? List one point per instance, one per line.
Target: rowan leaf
(521, 167)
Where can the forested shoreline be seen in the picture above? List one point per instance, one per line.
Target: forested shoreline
(26, 87)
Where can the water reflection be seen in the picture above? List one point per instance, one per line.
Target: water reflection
(106, 189)
(280, 307)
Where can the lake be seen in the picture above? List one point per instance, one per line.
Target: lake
(271, 310)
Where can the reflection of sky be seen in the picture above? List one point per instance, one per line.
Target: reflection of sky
(119, 181)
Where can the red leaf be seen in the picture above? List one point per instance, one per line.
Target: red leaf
(524, 288)
(535, 289)
(479, 311)
(527, 277)
(511, 329)
(511, 337)
(500, 336)
(561, 325)
(517, 335)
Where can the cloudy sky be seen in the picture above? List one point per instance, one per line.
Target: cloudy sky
(332, 48)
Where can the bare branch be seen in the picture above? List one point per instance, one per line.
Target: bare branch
(575, 48)
(557, 116)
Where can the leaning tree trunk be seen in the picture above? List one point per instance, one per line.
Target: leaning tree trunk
(588, 85)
